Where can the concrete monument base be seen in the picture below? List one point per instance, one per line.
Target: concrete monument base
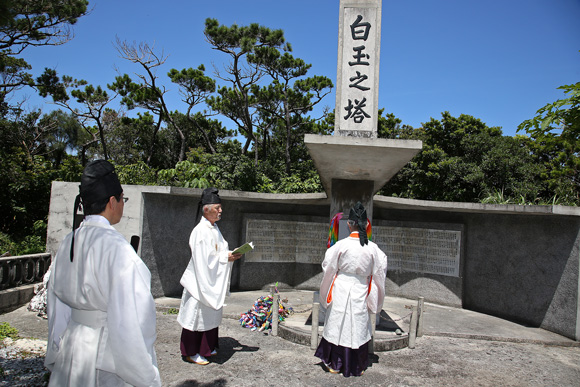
(354, 169)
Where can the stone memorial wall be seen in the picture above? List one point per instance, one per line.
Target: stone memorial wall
(500, 264)
(286, 241)
(420, 250)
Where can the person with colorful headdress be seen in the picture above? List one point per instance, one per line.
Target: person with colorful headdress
(206, 282)
(101, 314)
(353, 287)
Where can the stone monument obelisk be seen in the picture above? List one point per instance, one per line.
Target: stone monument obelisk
(357, 78)
(353, 163)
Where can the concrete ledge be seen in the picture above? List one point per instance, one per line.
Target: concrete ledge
(380, 344)
(14, 298)
(307, 198)
(549, 343)
(378, 159)
(391, 344)
(293, 335)
(402, 203)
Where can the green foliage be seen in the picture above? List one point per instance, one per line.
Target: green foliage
(93, 103)
(69, 170)
(64, 136)
(14, 72)
(463, 160)
(26, 191)
(31, 244)
(189, 175)
(50, 84)
(7, 245)
(135, 95)
(562, 115)
(196, 87)
(236, 100)
(26, 180)
(268, 95)
(295, 183)
(555, 134)
(498, 197)
(32, 23)
(136, 174)
(390, 127)
(232, 169)
(6, 330)
(284, 103)
(201, 133)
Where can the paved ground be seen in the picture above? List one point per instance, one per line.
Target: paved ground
(485, 351)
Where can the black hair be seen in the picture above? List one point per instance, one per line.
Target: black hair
(98, 206)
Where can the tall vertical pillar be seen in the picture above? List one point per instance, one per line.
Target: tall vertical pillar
(345, 194)
(357, 83)
(357, 93)
(354, 163)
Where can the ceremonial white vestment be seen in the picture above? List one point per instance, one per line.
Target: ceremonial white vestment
(206, 280)
(101, 314)
(347, 268)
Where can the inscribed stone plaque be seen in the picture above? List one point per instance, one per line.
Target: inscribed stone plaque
(358, 64)
(286, 241)
(420, 249)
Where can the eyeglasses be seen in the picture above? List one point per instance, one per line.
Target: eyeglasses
(125, 199)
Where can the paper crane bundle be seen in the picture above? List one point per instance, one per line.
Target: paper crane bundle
(259, 317)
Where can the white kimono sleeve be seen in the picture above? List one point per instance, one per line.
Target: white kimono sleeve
(131, 321)
(329, 269)
(58, 314)
(377, 294)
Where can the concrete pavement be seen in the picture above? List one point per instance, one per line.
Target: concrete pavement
(437, 320)
(459, 348)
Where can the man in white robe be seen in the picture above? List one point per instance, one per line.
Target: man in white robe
(206, 282)
(353, 287)
(101, 314)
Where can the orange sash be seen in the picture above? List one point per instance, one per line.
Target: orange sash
(329, 295)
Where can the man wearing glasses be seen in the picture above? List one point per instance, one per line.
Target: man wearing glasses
(101, 314)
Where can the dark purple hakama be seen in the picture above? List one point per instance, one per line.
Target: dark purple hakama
(196, 342)
(351, 362)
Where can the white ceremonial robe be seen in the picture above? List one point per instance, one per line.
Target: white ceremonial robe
(347, 321)
(206, 280)
(101, 314)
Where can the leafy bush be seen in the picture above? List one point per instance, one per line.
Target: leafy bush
(7, 245)
(6, 330)
(31, 244)
(136, 174)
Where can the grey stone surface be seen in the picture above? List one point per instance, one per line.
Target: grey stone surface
(518, 262)
(15, 297)
(169, 219)
(60, 217)
(346, 193)
(368, 43)
(458, 348)
(348, 158)
(521, 265)
(441, 289)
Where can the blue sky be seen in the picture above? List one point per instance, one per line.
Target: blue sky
(497, 60)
